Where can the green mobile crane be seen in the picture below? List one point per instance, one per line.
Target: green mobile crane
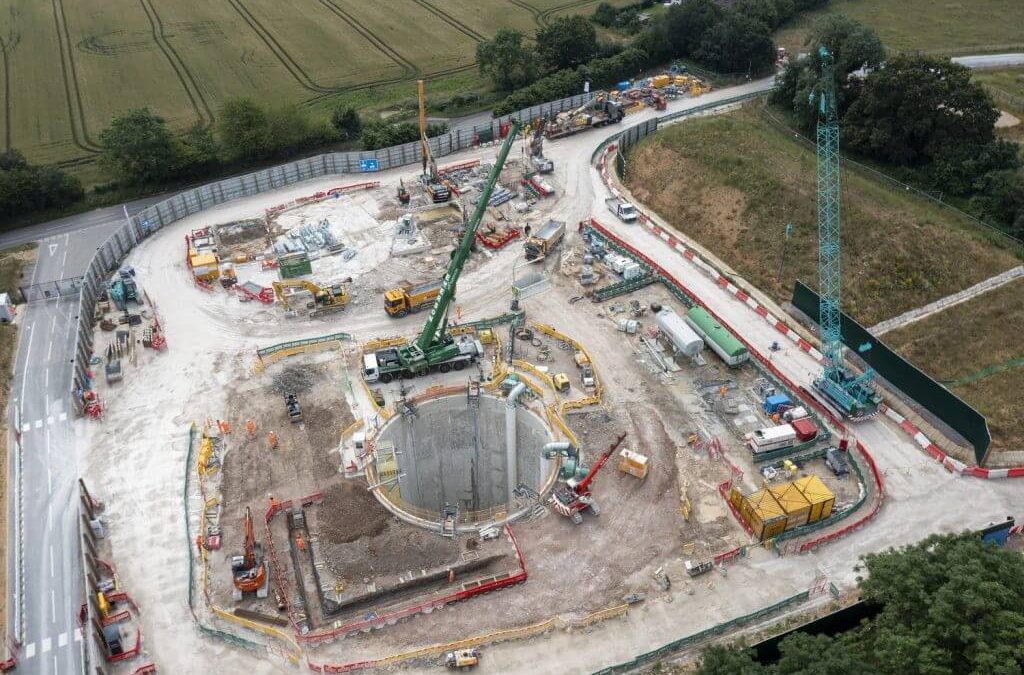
(434, 348)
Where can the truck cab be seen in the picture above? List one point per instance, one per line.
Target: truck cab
(371, 371)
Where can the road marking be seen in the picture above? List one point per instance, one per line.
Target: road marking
(63, 417)
(28, 360)
(53, 608)
(78, 635)
(39, 424)
(62, 640)
(47, 378)
(53, 248)
(30, 650)
(49, 517)
(53, 571)
(49, 420)
(53, 323)
(62, 263)
(49, 481)
(49, 353)
(47, 643)
(27, 426)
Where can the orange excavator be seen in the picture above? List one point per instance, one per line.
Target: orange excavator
(249, 569)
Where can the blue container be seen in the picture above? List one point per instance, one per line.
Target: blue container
(623, 86)
(773, 403)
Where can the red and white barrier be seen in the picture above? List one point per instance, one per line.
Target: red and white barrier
(321, 196)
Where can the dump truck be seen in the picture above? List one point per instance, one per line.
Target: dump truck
(399, 302)
(622, 209)
(539, 245)
(597, 112)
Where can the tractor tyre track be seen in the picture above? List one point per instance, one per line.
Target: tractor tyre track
(366, 85)
(411, 69)
(286, 60)
(73, 95)
(534, 12)
(451, 20)
(185, 76)
(544, 17)
(7, 94)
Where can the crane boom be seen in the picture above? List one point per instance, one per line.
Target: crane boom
(433, 334)
(583, 486)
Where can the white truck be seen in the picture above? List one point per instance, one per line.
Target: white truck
(622, 209)
(771, 438)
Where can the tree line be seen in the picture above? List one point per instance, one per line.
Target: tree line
(949, 605)
(562, 56)
(921, 117)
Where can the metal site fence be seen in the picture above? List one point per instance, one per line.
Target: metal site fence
(148, 221)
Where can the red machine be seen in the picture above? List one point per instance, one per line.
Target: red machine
(572, 497)
(250, 572)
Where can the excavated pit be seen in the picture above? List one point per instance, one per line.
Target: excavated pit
(453, 451)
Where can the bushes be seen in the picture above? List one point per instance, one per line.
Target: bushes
(381, 134)
(25, 188)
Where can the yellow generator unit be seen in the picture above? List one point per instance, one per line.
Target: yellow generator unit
(634, 463)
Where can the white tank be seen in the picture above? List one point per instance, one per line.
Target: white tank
(682, 337)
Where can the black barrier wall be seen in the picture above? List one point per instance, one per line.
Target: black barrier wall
(931, 395)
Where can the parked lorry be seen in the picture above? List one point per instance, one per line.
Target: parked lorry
(622, 209)
(771, 438)
(597, 112)
(399, 302)
(539, 245)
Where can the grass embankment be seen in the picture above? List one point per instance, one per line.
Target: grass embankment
(962, 27)
(975, 349)
(732, 183)
(12, 261)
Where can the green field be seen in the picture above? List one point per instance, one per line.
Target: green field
(68, 67)
(944, 26)
(975, 349)
(732, 182)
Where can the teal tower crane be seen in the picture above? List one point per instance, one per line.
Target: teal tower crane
(854, 395)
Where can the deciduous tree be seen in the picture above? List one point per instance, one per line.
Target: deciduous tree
(566, 42)
(507, 60)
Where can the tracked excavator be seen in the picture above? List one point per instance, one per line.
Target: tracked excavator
(320, 300)
(249, 569)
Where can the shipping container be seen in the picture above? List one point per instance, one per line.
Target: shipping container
(805, 429)
(633, 463)
(716, 337)
(292, 265)
(793, 502)
(776, 401)
(677, 332)
(764, 515)
(818, 495)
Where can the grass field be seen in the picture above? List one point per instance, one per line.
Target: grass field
(732, 182)
(959, 26)
(68, 67)
(975, 349)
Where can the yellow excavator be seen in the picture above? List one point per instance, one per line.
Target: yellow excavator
(320, 300)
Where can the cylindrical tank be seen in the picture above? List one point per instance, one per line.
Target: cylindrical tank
(682, 337)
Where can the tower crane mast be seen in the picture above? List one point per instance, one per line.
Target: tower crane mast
(854, 395)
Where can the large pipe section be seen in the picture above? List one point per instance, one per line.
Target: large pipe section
(511, 473)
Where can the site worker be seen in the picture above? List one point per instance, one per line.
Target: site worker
(272, 437)
(250, 426)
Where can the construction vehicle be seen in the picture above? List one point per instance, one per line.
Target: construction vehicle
(573, 496)
(228, 276)
(436, 189)
(622, 209)
(399, 302)
(852, 395)
(291, 403)
(699, 568)
(462, 658)
(561, 381)
(587, 377)
(538, 246)
(435, 348)
(249, 569)
(538, 161)
(403, 194)
(597, 112)
(319, 300)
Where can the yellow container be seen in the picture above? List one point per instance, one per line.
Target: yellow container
(793, 502)
(660, 81)
(681, 80)
(633, 463)
(486, 336)
(818, 496)
(764, 514)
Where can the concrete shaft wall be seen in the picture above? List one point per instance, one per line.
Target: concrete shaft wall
(451, 453)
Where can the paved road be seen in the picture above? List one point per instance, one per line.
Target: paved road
(991, 61)
(49, 468)
(45, 614)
